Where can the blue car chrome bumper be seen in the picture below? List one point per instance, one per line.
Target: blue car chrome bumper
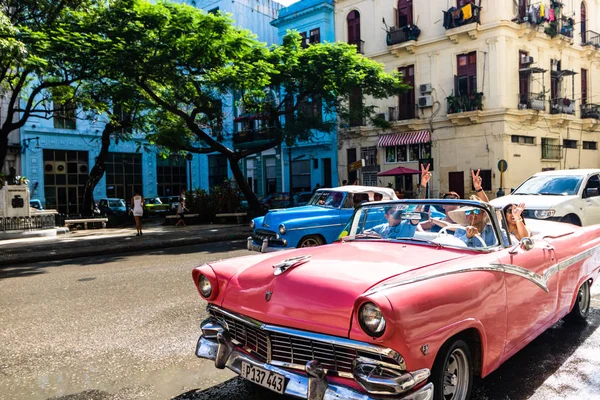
(264, 246)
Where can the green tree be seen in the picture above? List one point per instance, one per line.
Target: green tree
(185, 60)
(41, 48)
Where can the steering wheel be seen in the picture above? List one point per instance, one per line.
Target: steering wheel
(444, 231)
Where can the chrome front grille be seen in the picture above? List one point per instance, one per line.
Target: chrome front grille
(292, 351)
(259, 235)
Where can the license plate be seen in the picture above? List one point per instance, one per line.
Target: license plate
(256, 247)
(263, 377)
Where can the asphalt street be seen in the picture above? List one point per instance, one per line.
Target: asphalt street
(125, 327)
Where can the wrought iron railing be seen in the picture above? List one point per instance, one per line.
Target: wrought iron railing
(360, 45)
(465, 103)
(532, 101)
(456, 18)
(254, 135)
(551, 151)
(402, 34)
(590, 111)
(28, 223)
(591, 39)
(562, 105)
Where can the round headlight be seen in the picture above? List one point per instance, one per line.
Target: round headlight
(252, 224)
(371, 320)
(204, 286)
(282, 229)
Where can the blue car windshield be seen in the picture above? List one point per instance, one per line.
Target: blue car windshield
(566, 185)
(327, 199)
(116, 203)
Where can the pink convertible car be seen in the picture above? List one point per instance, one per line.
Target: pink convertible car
(396, 308)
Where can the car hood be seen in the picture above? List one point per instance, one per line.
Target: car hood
(322, 291)
(534, 202)
(275, 217)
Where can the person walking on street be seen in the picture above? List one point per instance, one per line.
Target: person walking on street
(137, 206)
(181, 211)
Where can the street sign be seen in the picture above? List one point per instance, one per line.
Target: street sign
(502, 165)
(356, 165)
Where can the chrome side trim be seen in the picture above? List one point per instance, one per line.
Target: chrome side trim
(539, 280)
(314, 227)
(335, 340)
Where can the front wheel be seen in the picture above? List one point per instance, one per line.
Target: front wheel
(581, 309)
(452, 373)
(310, 241)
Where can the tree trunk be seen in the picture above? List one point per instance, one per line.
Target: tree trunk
(97, 172)
(3, 148)
(238, 175)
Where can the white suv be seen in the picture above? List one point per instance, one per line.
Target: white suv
(567, 195)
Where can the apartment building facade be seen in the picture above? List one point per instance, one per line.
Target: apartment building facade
(507, 81)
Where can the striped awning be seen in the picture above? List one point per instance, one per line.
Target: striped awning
(398, 139)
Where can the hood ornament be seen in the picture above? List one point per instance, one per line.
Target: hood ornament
(290, 263)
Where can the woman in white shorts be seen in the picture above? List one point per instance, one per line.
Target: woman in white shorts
(137, 206)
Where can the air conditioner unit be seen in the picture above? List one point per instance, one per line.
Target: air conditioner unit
(60, 167)
(526, 60)
(424, 101)
(82, 168)
(49, 167)
(425, 88)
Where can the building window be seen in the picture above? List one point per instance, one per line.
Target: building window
(312, 109)
(171, 174)
(270, 175)
(304, 39)
(523, 79)
(315, 36)
(584, 86)
(213, 11)
(583, 24)
(123, 175)
(522, 139)
(353, 21)
(405, 13)
(65, 115)
(554, 79)
(217, 170)
(466, 78)
(65, 176)
(369, 154)
(369, 179)
(405, 153)
(406, 104)
(462, 3)
(301, 176)
(590, 145)
(350, 158)
(569, 144)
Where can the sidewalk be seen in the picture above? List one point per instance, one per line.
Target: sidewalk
(83, 243)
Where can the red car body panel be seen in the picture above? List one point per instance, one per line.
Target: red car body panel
(427, 294)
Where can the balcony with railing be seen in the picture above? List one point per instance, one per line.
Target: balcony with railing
(465, 103)
(454, 18)
(402, 34)
(551, 151)
(591, 38)
(254, 137)
(590, 110)
(532, 101)
(360, 45)
(562, 105)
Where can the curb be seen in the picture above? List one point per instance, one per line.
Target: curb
(109, 246)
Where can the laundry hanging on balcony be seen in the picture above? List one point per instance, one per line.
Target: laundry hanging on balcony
(398, 139)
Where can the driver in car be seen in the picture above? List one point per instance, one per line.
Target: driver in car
(477, 232)
(395, 227)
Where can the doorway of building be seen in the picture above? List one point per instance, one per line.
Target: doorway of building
(326, 181)
(456, 183)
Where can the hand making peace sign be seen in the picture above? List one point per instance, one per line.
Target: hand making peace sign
(425, 175)
(477, 181)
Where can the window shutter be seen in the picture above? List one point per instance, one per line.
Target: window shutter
(396, 23)
(456, 85)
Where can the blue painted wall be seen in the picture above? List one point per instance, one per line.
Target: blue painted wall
(305, 16)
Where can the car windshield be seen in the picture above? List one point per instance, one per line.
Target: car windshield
(326, 198)
(116, 203)
(559, 185)
(464, 224)
(153, 201)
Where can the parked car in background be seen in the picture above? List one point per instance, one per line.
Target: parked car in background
(302, 198)
(275, 200)
(153, 205)
(571, 196)
(414, 315)
(36, 203)
(111, 206)
(319, 222)
(173, 201)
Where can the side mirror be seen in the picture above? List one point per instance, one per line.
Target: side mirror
(590, 192)
(525, 244)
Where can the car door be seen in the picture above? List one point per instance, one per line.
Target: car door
(591, 200)
(530, 301)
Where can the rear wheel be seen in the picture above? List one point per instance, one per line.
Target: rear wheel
(310, 241)
(581, 309)
(452, 373)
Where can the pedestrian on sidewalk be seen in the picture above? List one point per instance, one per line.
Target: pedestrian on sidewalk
(137, 206)
(181, 211)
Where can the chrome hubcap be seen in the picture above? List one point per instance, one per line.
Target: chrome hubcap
(310, 242)
(456, 376)
(583, 298)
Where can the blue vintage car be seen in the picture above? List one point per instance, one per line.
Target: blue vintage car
(319, 222)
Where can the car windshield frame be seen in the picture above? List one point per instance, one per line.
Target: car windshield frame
(526, 188)
(351, 230)
(115, 203)
(327, 197)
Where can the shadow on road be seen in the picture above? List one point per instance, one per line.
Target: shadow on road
(517, 379)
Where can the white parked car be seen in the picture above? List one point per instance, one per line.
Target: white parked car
(565, 195)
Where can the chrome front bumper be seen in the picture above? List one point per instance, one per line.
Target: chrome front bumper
(216, 345)
(264, 247)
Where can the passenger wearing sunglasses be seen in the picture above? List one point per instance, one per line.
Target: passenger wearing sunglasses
(395, 227)
(477, 232)
(436, 224)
